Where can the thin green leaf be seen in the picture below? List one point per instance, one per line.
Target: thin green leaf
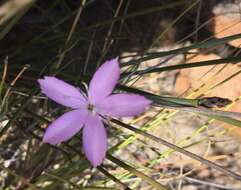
(162, 100)
(190, 105)
(132, 15)
(176, 148)
(113, 178)
(229, 60)
(228, 120)
(206, 44)
(136, 172)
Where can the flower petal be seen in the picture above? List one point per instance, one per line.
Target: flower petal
(104, 81)
(65, 126)
(62, 92)
(123, 105)
(94, 140)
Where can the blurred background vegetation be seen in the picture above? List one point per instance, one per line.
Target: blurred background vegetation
(184, 55)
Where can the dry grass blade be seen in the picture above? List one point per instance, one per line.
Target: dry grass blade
(63, 51)
(219, 186)
(136, 172)
(5, 68)
(13, 82)
(181, 150)
(10, 12)
(22, 179)
(174, 22)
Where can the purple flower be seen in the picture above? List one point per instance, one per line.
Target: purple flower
(88, 112)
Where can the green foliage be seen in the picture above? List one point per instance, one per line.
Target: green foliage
(27, 163)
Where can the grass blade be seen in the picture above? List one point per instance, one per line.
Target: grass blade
(181, 150)
(136, 172)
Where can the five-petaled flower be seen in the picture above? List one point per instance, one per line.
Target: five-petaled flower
(90, 111)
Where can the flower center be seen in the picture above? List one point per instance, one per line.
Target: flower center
(90, 108)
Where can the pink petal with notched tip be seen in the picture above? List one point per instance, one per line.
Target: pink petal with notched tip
(104, 81)
(123, 105)
(94, 140)
(62, 92)
(66, 126)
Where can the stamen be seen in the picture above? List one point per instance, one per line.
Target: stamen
(90, 107)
